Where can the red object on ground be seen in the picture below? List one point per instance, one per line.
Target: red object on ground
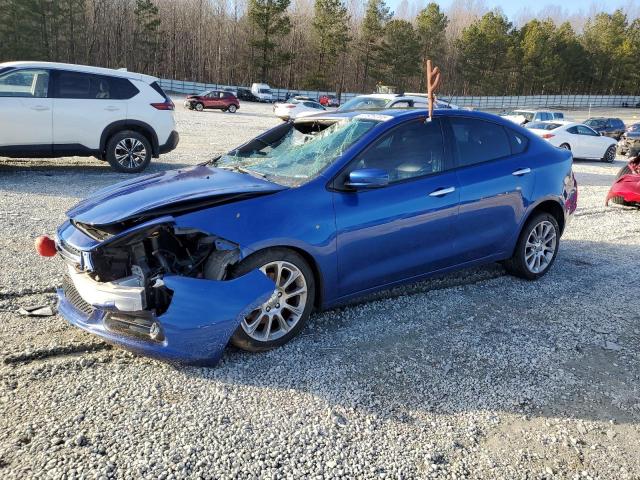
(45, 246)
(626, 190)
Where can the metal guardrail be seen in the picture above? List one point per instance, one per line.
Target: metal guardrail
(485, 102)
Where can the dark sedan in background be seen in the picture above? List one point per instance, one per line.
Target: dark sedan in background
(630, 142)
(608, 127)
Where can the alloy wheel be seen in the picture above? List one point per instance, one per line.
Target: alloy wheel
(278, 315)
(540, 247)
(130, 153)
(610, 156)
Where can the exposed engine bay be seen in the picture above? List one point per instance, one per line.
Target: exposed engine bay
(143, 257)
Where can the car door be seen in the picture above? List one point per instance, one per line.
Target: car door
(84, 105)
(25, 112)
(593, 144)
(496, 180)
(212, 100)
(402, 230)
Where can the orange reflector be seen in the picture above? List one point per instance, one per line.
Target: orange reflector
(45, 246)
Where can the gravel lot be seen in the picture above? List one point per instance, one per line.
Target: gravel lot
(472, 375)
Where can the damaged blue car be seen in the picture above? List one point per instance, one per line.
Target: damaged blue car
(307, 216)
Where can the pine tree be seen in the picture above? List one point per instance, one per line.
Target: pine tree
(399, 54)
(331, 30)
(270, 21)
(147, 34)
(376, 17)
(431, 25)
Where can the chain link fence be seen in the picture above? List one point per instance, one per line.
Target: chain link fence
(483, 103)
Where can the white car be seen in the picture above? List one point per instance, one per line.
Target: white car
(523, 116)
(296, 108)
(392, 100)
(55, 109)
(583, 141)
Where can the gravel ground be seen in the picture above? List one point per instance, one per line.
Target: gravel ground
(472, 375)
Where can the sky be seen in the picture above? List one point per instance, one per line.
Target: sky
(515, 9)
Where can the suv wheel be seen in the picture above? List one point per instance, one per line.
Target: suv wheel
(128, 152)
(199, 107)
(231, 109)
(536, 249)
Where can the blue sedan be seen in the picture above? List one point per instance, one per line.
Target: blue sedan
(307, 216)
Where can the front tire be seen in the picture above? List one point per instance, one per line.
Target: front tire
(284, 315)
(128, 152)
(610, 154)
(536, 249)
(199, 107)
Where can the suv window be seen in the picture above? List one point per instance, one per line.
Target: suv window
(85, 86)
(25, 83)
(478, 141)
(617, 123)
(414, 149)
(544, 116)
(558, 116)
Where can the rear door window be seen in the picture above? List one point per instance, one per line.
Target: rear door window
(85, 86)
(477, 141)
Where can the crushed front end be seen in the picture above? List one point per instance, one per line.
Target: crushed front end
(156, 288)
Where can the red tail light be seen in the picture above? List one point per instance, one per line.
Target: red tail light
(548, 135)
(166, 105)
(290, 106)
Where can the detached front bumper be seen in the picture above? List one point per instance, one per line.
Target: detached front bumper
(195, 329)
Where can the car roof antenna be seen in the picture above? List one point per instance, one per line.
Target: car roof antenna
(432, 75)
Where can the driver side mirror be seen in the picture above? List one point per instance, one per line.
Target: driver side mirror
(367, 178)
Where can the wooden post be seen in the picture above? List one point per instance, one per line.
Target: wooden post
(432, 75)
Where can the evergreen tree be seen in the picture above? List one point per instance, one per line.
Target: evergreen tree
(431, 25)
(270, 21)
(147, 34)
(399, 54)
(376, 17)
(331, 30)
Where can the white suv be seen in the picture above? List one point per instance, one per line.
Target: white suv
(56, 109)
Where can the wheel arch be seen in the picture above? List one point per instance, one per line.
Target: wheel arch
(313, 264)
(550, 206)
(135, 125)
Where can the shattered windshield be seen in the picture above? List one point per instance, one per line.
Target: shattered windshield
(364, 103)
(300, 154)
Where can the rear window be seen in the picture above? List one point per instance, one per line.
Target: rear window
(78, 85)
(617, 123)
(543, 125)
(158, 89)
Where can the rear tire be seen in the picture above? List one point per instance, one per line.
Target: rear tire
(536, 249)
(610, 154)
(129, 152)
(283, 316)
(231, 109)
(566, 146)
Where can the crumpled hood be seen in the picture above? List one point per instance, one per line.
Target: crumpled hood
(162, 190)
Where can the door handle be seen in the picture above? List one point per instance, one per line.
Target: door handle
(522, 171)
(442, 191)
(39, 108)
(111, 109)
